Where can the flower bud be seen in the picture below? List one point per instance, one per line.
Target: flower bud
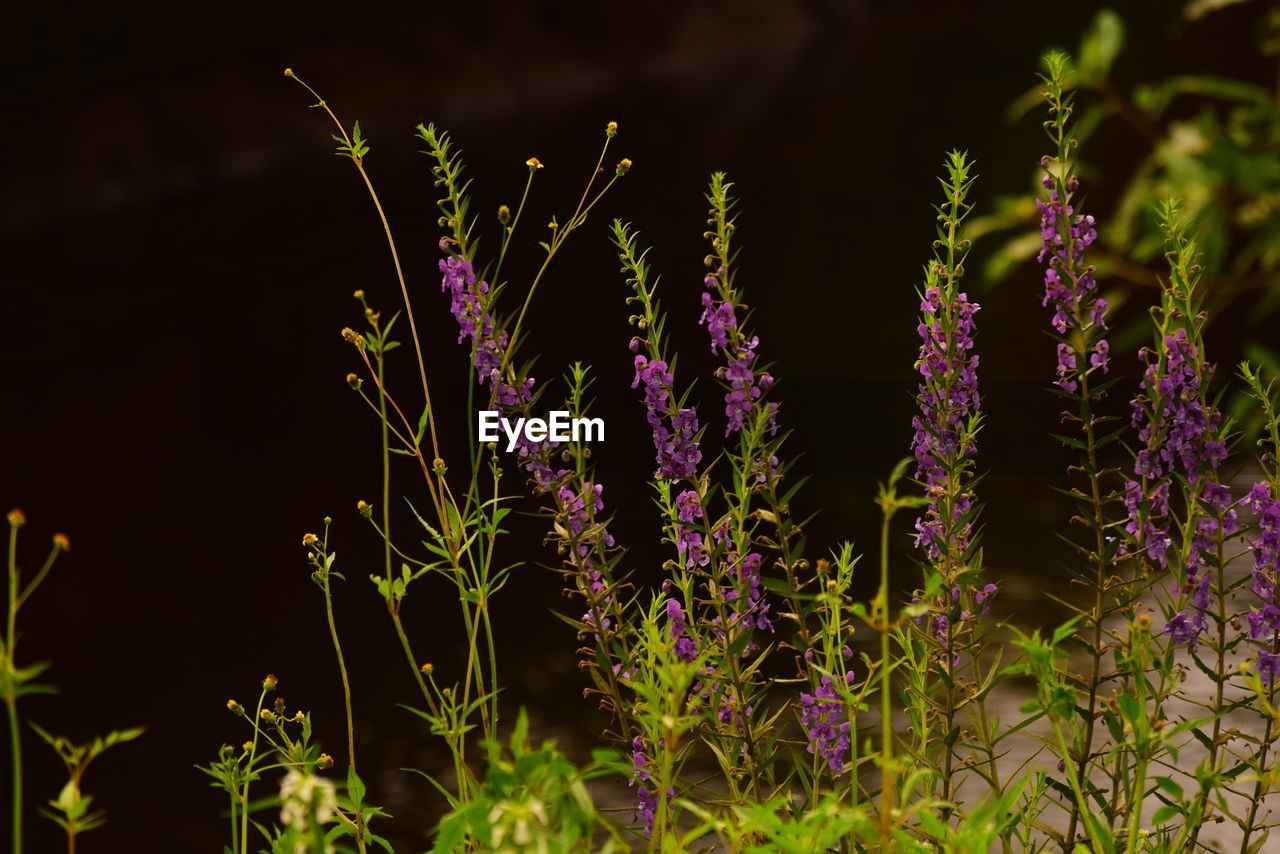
(364, 508)
(288, 72)
(61, 541)
(300, 717)
(270, 682)
(354, 381)
(438, 466)
(247, 746)
(624, 166)
(504, 214)
(428, 667)
(310, 539)
(533, 163)
(234, 707)
(325, 761)
(358, 294)
(611, 129)
(17, 518)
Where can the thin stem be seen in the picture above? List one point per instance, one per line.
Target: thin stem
(887, 770)
(346, 699)
(244, 796)
(10, 693)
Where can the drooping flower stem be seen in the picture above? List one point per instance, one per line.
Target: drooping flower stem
(354, 148)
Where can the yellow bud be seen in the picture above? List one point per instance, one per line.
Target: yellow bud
(17, 518)
(61, 541)
(533, 163)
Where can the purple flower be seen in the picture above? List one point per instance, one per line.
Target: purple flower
(469, 301)
(686, 648)
(1177, 429)
(688, 537)
(820, 714)
(1264, 621)
(678, 454)
(745, 386)
(948, 399)
(1069, 285)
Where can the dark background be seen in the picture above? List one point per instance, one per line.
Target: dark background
(180, 246)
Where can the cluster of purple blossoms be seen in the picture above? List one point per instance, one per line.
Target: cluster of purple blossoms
(1177, 430)
(578, 514)
(689, 543)
(1264, 621)
(468, 298)
(678, 627)
(750, 608)
(745, 385)
(819, 713)
(646, 798)
(948, 398)
(678, 454)
(1069, 284)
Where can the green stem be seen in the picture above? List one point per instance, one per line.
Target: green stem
(887, 771)
(244, 796)
(10, 694)
(346, 699)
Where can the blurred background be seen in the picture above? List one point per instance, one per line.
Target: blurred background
(180, 246)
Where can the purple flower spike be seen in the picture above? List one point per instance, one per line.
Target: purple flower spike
(819, 714)
(1069, 285)
(948, 398)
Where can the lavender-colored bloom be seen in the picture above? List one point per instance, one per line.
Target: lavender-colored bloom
(745, 385)
(1069, 285)
(678, 627)
(819, 714)
(1264, 620)
(1178, 434)
(1268, 665)
(688, 538)
(468, 301)
(678, 454)
(948, 398)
